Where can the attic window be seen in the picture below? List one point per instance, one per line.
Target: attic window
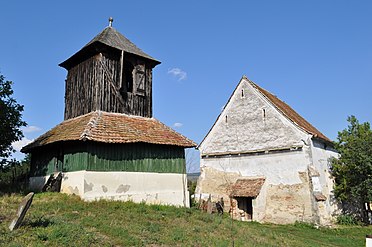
(264, 113)
(242, 93)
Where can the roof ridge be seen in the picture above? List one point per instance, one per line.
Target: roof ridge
(92, 123)
(110, 37)
(305, 125)
(126, 114)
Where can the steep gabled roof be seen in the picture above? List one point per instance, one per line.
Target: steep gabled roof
(112, 38)
(282, 107)
(290, 113)
(107, 127)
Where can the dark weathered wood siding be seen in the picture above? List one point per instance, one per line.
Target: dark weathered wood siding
(94, 84)
(92, 156)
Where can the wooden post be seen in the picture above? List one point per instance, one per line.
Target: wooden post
(121, 68)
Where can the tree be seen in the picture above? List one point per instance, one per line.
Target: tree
(10, 120)
(353, 169)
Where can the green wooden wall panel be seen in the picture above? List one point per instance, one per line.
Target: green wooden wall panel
(77, 156)
(136, 158)
(43, 163)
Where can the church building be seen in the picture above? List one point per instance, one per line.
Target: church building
(266, 161)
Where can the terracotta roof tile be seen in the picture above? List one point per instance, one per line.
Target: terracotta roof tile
(291, 114)
(112, 128)
(248, 187)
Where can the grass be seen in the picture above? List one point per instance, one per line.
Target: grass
(60, 220)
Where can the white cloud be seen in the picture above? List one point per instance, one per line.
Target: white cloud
(30, 129)
(18, 145)
(177, 125)
(179, 73)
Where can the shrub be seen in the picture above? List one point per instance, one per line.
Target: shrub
(346, 219)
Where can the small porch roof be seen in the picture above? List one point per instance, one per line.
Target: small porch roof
(247, 187)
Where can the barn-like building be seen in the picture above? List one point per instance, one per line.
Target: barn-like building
(109, 145)
(266, 161)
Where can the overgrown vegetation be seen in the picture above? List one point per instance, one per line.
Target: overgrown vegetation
(56, 219)
(353, 170)
(347, 220)
(14, 177)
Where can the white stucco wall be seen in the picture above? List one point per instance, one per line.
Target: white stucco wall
(278, 168)
(286, 188)
(72, 183)
(249, 123)
(321, 155)
(152, 188)
(243, 125)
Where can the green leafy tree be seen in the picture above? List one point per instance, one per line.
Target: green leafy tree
(353, 169)
(10, 120)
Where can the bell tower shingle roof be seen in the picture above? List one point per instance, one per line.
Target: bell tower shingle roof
(112, 38)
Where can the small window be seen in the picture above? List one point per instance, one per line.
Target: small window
(127, 83)
(140, 79)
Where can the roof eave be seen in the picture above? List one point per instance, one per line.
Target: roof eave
(28, 148)
(67, 64)
(325, 141)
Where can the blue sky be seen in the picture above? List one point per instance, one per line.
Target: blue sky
(314, 55)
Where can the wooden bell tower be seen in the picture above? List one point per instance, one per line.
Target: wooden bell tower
(110, 74)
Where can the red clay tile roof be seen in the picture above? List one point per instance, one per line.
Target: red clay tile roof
(107, 127)
(291, 114)
(249, 187)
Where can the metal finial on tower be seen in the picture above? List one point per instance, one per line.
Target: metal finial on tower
(111, 20)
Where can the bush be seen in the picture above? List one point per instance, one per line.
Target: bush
(14, 177)
(346, 219)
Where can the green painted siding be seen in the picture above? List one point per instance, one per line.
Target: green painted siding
(77, 156)
(43, 163)
(136, 158)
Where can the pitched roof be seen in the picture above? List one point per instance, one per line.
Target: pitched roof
(290, 113)
(107, 127)
(285, 109)
(110, 37)
(249, 187)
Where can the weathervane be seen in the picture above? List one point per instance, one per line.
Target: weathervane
(110, 21)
